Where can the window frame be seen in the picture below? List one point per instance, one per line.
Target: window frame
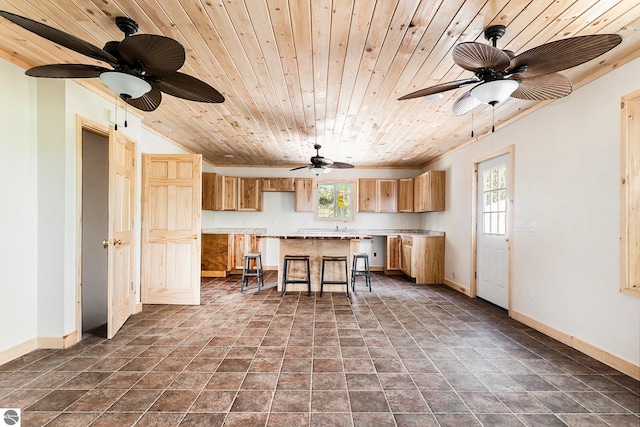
(353, 200)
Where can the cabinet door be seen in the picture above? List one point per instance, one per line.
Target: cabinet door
(394, 244)
(387, 195)
(367, 195)
(435, 186)
(405, 195)
(237, 251)
(420, 193)
(208, 191)
(304, 195)
(250, 195)
(215, 255)
(406, 260)
(226, 193)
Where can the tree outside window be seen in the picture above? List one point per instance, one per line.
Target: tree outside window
(335, 200)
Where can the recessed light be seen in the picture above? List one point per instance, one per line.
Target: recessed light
(229, 156)
(406, 158)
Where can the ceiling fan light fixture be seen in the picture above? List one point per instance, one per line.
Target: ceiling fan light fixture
(494, 91)
(317, 170)
(125, 84)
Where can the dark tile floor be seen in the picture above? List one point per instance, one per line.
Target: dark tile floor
(401, 355)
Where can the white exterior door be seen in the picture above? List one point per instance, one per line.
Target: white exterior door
(120, 294)
(492, 282)
(171, 208)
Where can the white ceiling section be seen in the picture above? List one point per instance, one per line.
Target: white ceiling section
(299, 72)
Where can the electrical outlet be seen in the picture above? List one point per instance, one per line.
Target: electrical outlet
(375, 254)
(453, 275)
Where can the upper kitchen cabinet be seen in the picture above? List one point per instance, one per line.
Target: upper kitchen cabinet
(405, 195)
(428, 191)
(278, 184)
(377, 195)
(304, 195)
(250, 194)
(219, 192)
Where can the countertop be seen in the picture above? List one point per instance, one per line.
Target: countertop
(319, 236)
(371, 232)
(234, 230)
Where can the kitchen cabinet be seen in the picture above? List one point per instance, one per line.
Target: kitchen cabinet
(219, 192)
(250, 194)
(393, 255)
(214, 258)
(377, 195)
(304, 194)
(278, 184)
(428, 192)
(422, 258)
(224, 253)
(405, 195)
(367, 195)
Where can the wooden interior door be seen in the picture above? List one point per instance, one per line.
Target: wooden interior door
(120, 293)
(171, 200)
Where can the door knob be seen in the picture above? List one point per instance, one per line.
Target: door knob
(105, 243)
(195, 237)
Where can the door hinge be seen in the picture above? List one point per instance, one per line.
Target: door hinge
(131, 286)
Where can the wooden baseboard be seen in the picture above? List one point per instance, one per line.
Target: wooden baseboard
(597, 353)
(138, 308)
(376, 268)
(212, 273)
(18, 350)
(458, 287)
(59, 342)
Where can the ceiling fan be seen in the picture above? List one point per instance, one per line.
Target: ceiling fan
(321, 164)
(532, 75)
(143, 66)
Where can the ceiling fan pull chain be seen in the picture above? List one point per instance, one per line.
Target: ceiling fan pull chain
(493, 118)
(115, 103)
(471, 124)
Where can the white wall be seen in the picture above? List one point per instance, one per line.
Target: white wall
(566, 170)
(18, 212)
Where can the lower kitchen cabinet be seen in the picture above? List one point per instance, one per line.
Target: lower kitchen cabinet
(223, 254)
(393, 255)
(422, 258)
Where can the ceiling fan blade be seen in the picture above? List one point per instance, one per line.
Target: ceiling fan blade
(443, 87)
(72, 71)
(187, 87)
(321, 161)
(541, 88)
(158, 55)
(562, 54)
(476, 56)
(60, 37)
(147, 102)
(340, 165)
(301, 167)
(464, 104)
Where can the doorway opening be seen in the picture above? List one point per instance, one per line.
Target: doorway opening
(95, 225)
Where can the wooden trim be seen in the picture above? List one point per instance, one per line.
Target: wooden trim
(376, 268)
(18, 350)
(138, 308)
(622, 365)
(213, 273)
(510, 150)
(82, 123)
(458, 287)
(51, 342)
(629, 252)
(70, 339)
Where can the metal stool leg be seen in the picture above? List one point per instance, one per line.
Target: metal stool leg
(284, 277)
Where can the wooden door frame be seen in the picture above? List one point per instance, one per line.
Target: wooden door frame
(82, 124)
(510, 150)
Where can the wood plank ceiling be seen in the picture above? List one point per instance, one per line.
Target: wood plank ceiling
(299, 72)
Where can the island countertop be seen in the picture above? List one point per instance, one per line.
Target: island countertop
(327, 236)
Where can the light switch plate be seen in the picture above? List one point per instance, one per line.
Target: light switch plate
(533, 226)
(518, 226)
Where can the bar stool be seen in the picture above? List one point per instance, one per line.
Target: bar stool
(364, 271)
(285, 268)
(343, 259)
(256, 272)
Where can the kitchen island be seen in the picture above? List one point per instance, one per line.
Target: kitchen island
(317, 246)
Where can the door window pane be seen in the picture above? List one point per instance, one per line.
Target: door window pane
(494, 190)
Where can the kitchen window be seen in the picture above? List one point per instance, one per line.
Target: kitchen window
(335, 200)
